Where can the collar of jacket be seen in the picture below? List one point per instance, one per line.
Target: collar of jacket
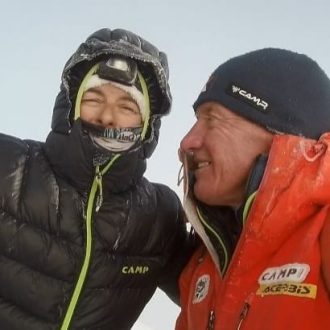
(252, 186)
(72, 157)
(219, 226)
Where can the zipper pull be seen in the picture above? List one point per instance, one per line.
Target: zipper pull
(99, 199)
(210, 324)
(243, 314)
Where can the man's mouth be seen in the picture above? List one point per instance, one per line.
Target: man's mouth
(201, 164)
(191, 162)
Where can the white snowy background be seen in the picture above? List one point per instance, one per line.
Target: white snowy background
(37, 37)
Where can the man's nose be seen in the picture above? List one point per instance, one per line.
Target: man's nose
(192, 140)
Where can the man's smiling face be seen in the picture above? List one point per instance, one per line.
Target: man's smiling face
(225, 147)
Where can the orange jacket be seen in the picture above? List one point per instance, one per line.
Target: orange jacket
(274, 280)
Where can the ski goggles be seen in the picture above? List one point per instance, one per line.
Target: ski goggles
(119, 69)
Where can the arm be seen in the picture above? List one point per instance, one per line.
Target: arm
(182, 247)
(325, 252)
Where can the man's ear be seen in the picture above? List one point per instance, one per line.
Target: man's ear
(325, 252)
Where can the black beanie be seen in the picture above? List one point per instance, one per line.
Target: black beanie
(278, 89)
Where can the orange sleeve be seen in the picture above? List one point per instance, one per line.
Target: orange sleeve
(185, 288)
(325, 252)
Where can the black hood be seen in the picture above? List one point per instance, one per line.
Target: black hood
(99, 45)
(70, 151)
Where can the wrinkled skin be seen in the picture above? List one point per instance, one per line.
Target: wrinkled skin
(224, 147)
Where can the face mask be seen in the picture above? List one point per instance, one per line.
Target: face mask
(115, 139)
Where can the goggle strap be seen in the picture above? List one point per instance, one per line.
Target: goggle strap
(81, 90)
(147, 104)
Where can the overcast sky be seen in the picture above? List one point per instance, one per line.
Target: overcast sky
(37, 37)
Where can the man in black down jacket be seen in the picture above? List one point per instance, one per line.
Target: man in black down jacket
(85, 239)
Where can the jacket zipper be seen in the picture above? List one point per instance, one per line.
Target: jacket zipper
(210, 324)
(243, 314)
(245, 310)
(99, 198)
(96, 188)
(247, 303)
(218, 238)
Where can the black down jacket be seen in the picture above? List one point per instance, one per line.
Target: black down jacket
(84, 245)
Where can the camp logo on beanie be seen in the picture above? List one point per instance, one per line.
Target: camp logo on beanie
(247, 96)
(293, 85)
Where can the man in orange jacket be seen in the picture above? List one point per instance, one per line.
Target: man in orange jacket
(257, 193)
